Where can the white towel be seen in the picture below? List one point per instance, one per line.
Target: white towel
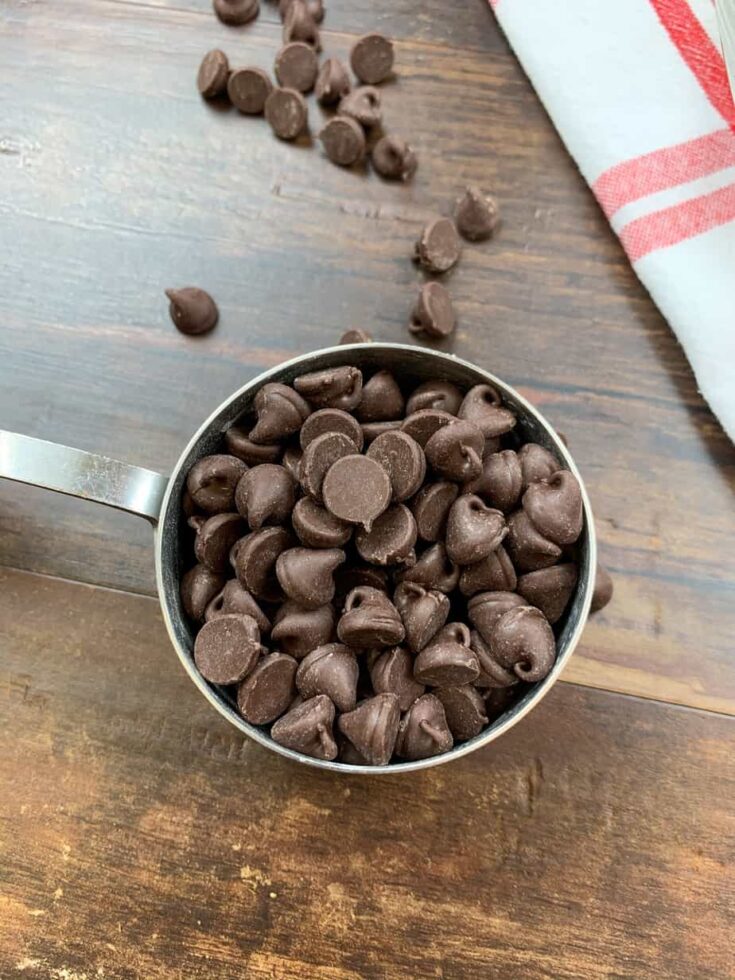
(639, 93)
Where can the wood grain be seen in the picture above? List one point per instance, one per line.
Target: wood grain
(142, 836)
(117, 181)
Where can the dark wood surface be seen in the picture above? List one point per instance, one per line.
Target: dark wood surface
(590, 841)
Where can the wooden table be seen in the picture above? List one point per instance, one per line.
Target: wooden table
(141, 836)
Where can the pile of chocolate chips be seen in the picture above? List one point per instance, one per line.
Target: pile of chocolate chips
(378, 571)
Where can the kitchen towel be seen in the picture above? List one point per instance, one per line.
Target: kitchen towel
(638, 91)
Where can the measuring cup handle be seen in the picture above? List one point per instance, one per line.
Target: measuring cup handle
(81, 474)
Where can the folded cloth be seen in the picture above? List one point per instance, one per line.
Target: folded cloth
(639, 93)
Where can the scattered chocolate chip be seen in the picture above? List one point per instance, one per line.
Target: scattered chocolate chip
(433, 570)
(464, 708)
(356, 337)
(390, 539)
(537, 463)
(227, 648)
(394, 159)
(299, 25)
(437, 394)
(431, 507)
(423, 731)
(500, 481)
(281, 412)
(522, 641)
(307, 728)
(331, 420)
(356, 489)
(495, 573)
(248, 89)
(305, 574)
(330, 670)
(455, 451)
(527, 547)
(492, 675)
(484, 406)
(236, 12)
(549, 589)
(370, 620)
(334, 388)
(402, 459)
(198, 588)
(212, 481)
(240, 444)
(438, 247)
(317, 528)
(314, 7)
(192, 310)
(474, 530)
(332, 82)
(392, 673)
(286, 112)
(255, 561)
(602, 592)
(297, 66)
(422, 425)
(363, 105)
(343, 141)
(214, 539)
(486, 609)
(382, 399)
(476, 215)
(446, 663)
(298, 630)
(372, 728)
(233, 598)
(266, 495)
(213, 74)
(268, 690)
(423, 611)
(433, 314)
(554, 507)
(371, 430)
(319, 457)
(372, 58)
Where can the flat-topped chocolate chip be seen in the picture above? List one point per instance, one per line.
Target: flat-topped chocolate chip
(603, 589)
(332, 670)
(316, 527)
(331, 420)
(446, 663)
(363, 105)
(198, 587)
(214, 539)
(332, 82)
(522, 641)
(537, 463)
(370, 620)
(343, 140)
(474, 530)
(391, 672)
(436, 394)
(281, 412)
(500, 481)
(320, 456)
(372, 58)
(356, 336)
(266, 495)
(391, 538)
(286, 112)
(527, 547)
(227, 648)
(255, 561)
(455, 451)
(268, 690)
(495, 573)
(233, 598)
(476, 215)
(240, 444)
(402, 459)
(305, 574)
(339, 387)
(423, 611)
(212, 481)
(382, 399)
(298, 630)
(422, 425)
(433, 570)
(213, 74)
(549, 589)
(372, 728)
(356, 489)
(554, 507)
(371, 430)
(248, 89)
(433, 315)
(492, 676)
(485, 609)
(438, 247)
(423, 731)
(431, 507)
(236, 12)
(464, 708)
(192, 310)
(394, 159)
(297, 66)
(307, 728)
(483, 406)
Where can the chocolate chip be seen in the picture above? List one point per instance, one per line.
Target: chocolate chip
(281, 412)
(248, 89)
(349, 577)
(332, 82)
(439, 247)
(331, 420)
(476, 215)
(372, 728)
(527, 547)
(433, 314)
(433, 570)
(371, 430)
(431, 507)
(297, 66)
(227, 648)
(356, 489)
(300, 25)
(500, 481)
(382, 400)
(213, 74)
(255, 561)
(486, 609)
(495, 573)
(391, 538)
(268, 691)
(423, 611)
(286, 112)
(240, 444)
(537, 463)
(192, 310)
(298, 630)
(330, 670)
(305, 574)
(498, 700)
(343, 141)
(317, 528)
(484, 406)
(356, 337)
(363, 105)
(402, 459)
(554, 507)
(292, 457)
(455, 451)
(464, 709)
(392, 673)
(492, 675)
(422, 425)
(602, 592)
(319, 457)
(236, 12)
(339, 387)
(314, 7)
(348, 754)
(198, 587)
(370, 620)
(214, 539)
(212, 480)
(371, 58)
(549, 589)
(307, 728)
(266, 495)
(394, 159)
(437, 394)
(446, 663)
(522, 641)
(474, 530)
(423, 731)
(233, 598)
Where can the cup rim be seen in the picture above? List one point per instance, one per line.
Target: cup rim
(508, 719)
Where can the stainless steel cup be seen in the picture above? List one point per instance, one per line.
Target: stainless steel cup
(158, 499)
